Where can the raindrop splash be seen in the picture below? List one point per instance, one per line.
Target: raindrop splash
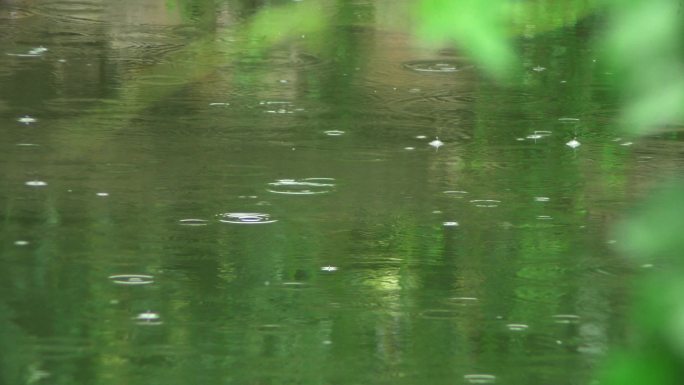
(573, 143)
(436, 143)
(26, 119)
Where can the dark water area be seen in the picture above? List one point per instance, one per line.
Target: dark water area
(178, 206)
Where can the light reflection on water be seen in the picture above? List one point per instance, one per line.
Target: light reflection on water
(478, 263)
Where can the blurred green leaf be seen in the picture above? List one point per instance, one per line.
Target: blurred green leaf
(648, 367)
(645, 48)
(656, 230)
(479, 27)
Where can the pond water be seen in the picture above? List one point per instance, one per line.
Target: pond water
(179, 205)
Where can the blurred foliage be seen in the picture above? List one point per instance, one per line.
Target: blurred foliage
(646, 49)
(478, 27)
(654, 236)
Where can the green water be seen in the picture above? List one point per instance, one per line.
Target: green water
(149, 128)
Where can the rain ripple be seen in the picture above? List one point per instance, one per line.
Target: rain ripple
(82, 10)
(448, 107)
(485, 202)
(307, 186)
(480, 378)
(14, 13)
(132, 279)
(435, 66)
(245, 218)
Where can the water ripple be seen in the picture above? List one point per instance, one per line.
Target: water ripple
(307, 186)
(435, 66)
(245, 218)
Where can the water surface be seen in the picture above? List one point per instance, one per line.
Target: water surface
(179, 207)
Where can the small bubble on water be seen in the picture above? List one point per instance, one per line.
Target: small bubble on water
(542, 199)
(539, 69)
(102, 194)
(421, 137)
(219, 104)
(21, 243)
(568, 120)
(517, 327)
(450, 224)
(409, 148)
(544, 217)
(626, 144)
(36, 183)
(329, 268)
